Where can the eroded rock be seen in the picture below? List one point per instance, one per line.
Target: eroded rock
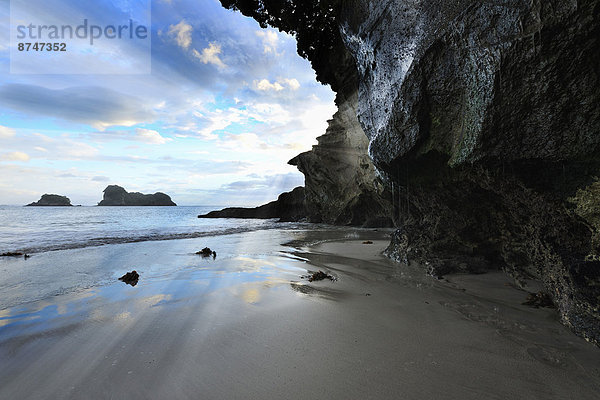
(482, 121)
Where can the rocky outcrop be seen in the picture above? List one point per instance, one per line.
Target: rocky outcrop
(289, 207)
(340, 177)
(482, 119)
(51, 200)
(117, 196)
(485, 117)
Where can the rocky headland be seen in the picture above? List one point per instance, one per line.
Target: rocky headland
(117, 196)
(51, 200)
(289, 207)
(473, 125)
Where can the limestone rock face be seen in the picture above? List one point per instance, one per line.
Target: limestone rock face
(117, 196)
(477, 80)
(485, 116)
(338, 172)
(51, 200)
(483, 123)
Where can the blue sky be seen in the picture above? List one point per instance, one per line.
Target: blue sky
(226, 106)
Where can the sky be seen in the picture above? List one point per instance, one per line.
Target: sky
(225, 106)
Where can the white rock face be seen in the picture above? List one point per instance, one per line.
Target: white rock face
(338, 171)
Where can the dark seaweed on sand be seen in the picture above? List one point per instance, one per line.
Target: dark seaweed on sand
(318, 276)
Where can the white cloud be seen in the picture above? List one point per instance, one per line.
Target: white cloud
(182, 34)
(210, 55)
(265, 86)
(59, 148)
(271, 113)
(292, 83)
(213, 121)
(6, 132)
(270, 40)
(15, 156)
(150, 136)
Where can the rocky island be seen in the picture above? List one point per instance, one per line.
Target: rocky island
(473, 125)
(51, 200)
(115, 195)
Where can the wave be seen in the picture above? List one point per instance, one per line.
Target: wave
(101, 241)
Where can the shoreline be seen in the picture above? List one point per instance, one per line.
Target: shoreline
(247, 326)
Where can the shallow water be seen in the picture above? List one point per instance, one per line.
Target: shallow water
(38, 229)
(62, 272)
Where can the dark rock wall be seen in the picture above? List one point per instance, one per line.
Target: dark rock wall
(483, 121)
(509, 80)
(486, 117)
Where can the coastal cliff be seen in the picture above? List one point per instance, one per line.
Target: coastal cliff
(117, 196)
(477, 134)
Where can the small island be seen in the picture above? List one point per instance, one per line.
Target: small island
(51, 200)
(117, 196)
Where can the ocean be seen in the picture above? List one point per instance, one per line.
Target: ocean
(41, 229)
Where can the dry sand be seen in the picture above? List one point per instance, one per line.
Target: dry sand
(246, 326)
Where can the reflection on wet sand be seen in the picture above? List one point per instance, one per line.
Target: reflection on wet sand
(323, 292)
(246, 325)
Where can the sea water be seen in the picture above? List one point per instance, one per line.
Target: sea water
(40, 229)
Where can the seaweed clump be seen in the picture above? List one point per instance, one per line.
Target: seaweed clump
(318, 276)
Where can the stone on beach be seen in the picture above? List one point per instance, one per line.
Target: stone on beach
(207, 252)
(130, 278)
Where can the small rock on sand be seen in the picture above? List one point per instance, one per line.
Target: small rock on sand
(130, 278)
(207, 252)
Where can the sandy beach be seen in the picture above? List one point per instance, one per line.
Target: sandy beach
(246, 325)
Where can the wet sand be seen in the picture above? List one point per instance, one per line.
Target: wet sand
(247, 326)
